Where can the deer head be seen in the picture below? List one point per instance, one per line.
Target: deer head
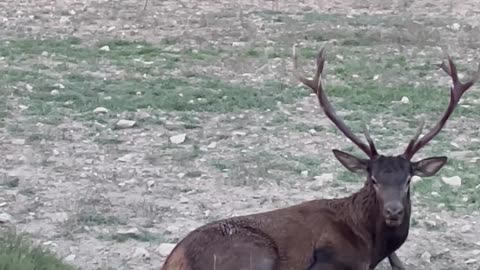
(389, 175)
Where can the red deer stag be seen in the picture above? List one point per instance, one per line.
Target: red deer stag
(351, 233)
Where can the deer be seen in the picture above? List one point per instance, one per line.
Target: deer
(355, 232)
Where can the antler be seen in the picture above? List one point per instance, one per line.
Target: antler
(456, 91)
(316, 86)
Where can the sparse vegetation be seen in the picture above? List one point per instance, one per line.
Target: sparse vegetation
(17, 252)
(254, 139)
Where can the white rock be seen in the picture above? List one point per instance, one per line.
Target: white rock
(405, 100)
(18, 141)
(376, 77)
(105, 48)
(29, 87)
(99, 110)
(426, 257)
(64, 19)
(326, 177)
(178, 139)
(123, 123)
(165, 249)
(212, 145)
(466, 228)
(150, 183)
(184, 200)
(304, 173)
(456, 26)
(70, 258)
(416, 179)
(454, 181)
(54, 92)
(5, 218)
(239, 133)
(127, 157)
(129, 232)
(238, 44)
(470, 261)
(141, 252)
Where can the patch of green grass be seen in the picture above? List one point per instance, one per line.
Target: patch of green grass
(81, 92)
(255, 167)
(19, 253)
(467, 196)
(143, 236)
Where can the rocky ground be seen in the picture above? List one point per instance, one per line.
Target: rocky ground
(126, 124)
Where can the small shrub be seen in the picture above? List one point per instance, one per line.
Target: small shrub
(18, 253)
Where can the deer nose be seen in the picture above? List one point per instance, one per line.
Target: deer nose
(393, 209)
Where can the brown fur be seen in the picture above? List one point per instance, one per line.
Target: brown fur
(346, 229)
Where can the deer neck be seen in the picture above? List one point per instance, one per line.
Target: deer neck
(369, 217)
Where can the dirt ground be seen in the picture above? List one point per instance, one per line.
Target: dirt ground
(147, 196)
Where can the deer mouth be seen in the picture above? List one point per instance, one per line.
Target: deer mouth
(393, 222)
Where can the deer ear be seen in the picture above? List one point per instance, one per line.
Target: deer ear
(429, 166)
(351, 162)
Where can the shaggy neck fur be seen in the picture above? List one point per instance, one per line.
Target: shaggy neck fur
(368, 215)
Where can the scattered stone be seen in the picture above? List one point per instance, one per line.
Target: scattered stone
(426, 257)
(181, 175)
(70, 258)
(29, 87)
(105, 48)
(212, 145)
(64, 19)
(454, 181)
(59, 217)
(133, 232)
(18, 141)
(376, 77)
(126, 158)
(99, 110)
(59, 85)
(184, 200)
(326, 177)
(5, 218)
(470, 261)
(415, 179)
(238, 44)
(165, 249)
(466, 228)
(455, 26)
(304, 173)
(141, 252)
(239, 133)
(54, 92)
(405, 100)
(178, 139)
(123, 123)
(150, 183)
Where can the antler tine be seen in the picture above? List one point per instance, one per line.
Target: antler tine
(317, 88)
(415, 137)
(456, 91)
(373, 149)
